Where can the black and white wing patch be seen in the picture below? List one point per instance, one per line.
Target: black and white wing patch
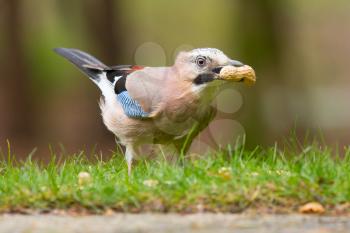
(130, 106)
(118, 77)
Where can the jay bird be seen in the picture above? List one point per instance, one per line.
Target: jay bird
(160, 105)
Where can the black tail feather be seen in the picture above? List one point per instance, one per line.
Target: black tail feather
(88, 64)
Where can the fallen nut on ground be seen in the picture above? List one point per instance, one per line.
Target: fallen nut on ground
(84, 178)
(312, 208)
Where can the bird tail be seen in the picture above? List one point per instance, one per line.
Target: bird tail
(91, 67)
(86, 63)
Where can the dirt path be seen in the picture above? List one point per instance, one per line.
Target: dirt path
(155, 223)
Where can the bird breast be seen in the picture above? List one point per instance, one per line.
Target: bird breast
(181, 114)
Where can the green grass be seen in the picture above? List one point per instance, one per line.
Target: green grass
(272, 179)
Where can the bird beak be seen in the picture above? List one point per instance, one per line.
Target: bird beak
(236, 63)
(236, 71)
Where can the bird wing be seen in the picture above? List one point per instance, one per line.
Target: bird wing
(147, 87)
(111, 80)
(117, 76)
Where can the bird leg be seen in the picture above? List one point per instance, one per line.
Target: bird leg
(130, 152)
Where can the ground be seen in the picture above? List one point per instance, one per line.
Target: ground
(232, 180)
(159, 223)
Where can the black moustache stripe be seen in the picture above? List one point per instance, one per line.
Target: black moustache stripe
(204, 78)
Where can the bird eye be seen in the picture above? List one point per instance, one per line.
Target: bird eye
(201, 61)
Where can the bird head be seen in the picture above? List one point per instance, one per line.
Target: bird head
(203, 66)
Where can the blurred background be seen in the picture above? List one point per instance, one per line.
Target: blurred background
(299, 49)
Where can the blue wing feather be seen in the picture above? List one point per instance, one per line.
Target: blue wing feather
(131, 107)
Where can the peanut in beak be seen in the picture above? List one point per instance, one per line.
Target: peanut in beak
(244, 73)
